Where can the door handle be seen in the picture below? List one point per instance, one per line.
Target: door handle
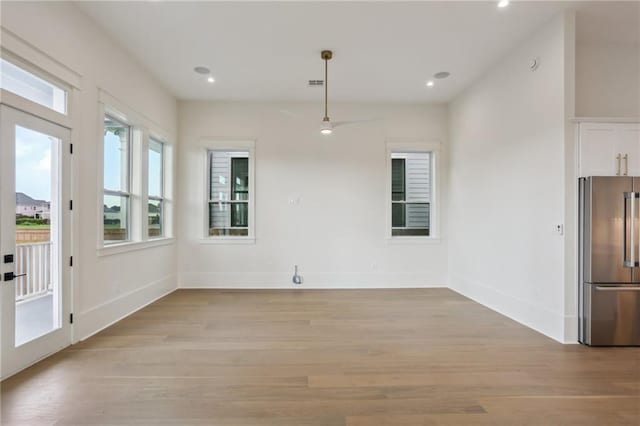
(617, 288)
(10, 276)
(626, 164)
(619, 158)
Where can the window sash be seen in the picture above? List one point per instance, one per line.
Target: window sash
(162, 171)
(161, 202)
(127, 197)
(126, 193)
(128, 165)
(230, 202)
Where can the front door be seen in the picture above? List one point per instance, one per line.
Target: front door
(35, 221)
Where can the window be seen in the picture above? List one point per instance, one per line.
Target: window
(27, 85)
(411, 192)
(155, 207)
(117, 182)
(229, 193)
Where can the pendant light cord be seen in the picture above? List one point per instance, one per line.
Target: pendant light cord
(326, 91)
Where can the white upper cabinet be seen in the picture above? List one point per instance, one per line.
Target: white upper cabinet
(629, 143)
(609, 149)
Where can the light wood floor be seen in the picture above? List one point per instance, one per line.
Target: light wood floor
(324, 358)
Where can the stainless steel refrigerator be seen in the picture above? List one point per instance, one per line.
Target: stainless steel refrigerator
(609, 289)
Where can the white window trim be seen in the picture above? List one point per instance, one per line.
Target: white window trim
(118, 248)
(228, 145)
(433, 147)
(142, 129)
(16, 49)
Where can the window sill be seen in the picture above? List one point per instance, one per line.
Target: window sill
(412, 240)
(228, 240)
(118, 248)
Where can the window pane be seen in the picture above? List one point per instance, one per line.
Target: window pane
(239, 178)
(155, 218)
(240, 214)
(155, 168)
(224, 217)
(21, 82)
(397, 179)
(116, 218)
(410, 183)
(116, 155)
(398, 215)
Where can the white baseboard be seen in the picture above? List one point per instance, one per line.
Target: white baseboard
(102, 316)
(348, 280)
(540, 319)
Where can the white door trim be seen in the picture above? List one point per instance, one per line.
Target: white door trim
(14, 359)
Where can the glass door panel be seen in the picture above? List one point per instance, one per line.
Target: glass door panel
(37, 283)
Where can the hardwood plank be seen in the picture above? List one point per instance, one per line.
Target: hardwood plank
(324, 358)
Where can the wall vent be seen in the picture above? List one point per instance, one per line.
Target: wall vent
(316, 83)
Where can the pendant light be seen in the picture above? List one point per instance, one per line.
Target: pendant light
(326, 128)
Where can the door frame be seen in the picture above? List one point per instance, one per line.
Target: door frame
(12, 358)
(49, 68)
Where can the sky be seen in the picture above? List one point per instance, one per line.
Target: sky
(33, 163)
(114, 162)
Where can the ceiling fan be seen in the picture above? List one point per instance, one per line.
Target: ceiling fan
(327, 126)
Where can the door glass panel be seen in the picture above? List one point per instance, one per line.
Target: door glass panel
(37, 287)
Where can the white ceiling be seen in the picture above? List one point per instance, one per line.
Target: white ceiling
(383, 51)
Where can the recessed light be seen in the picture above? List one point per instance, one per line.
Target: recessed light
(202, 70)
(441, 74)
(430, 83)
(503, 3)
(211, 79)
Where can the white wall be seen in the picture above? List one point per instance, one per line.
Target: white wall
(608, 80)
(337, 231)
(107, 287)
(506, 184)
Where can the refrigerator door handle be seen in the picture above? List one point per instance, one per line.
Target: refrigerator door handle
(631, 261)
(618, 288)
(625, 262)
(632, 225)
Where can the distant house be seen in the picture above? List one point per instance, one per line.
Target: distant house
(113, 215)
(27, 206)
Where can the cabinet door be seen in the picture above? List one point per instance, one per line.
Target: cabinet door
(628, 143)
(598, 150)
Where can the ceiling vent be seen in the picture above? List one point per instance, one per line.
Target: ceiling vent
(316, 83)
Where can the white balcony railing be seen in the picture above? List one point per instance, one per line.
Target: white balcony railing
(34, 260)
